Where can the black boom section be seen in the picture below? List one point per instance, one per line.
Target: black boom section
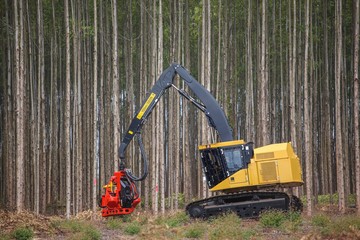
(214, 112)
(212, 109)
(152, 98)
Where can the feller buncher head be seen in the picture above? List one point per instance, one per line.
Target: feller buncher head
(121, 196)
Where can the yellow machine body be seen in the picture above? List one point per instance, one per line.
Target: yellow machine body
(270, 166)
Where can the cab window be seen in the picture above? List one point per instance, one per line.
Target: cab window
(233, 159)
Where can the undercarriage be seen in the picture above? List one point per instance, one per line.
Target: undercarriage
(245, 205)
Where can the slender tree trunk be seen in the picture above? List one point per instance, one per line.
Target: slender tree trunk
(116, 123)
(356, 105)
(19, 74)
(293, 124)
(143, 86)
(307, 128)
(34, 126)
(41, 112)
(283, 88)
(102, 110)
(186, 125)
(161, 113)
(219, 52)
(178, 114)
(154, 183)
(54, 120)
(10, 164)
(292, 85)
(264, 79)
(67, 111)
(205, 76)
(95, 69)
(338, 87)
(327, 118)
(250, 121)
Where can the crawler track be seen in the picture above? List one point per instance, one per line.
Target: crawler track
(245, 205)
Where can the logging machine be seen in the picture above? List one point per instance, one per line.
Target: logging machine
(247, 177)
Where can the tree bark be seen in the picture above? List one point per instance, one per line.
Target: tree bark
(250, 121)
(161, 113)
(338, 87)
(95, 69)
(264, 79)
(67, 110)
(19, 74)
(154, 130)
(356, 105)
(116, 119)
(307, 120)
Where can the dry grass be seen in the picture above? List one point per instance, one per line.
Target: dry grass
(38, 223)
(324, 224)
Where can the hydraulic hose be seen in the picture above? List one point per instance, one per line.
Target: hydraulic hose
(143, 155)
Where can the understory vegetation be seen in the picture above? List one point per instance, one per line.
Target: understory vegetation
(326, 223)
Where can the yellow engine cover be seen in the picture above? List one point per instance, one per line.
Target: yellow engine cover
(271, 165)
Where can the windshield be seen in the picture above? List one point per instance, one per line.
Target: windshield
(233, 159)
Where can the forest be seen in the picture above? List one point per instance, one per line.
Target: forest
(74, 72)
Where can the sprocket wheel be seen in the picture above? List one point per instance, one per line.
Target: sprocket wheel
(296, 204)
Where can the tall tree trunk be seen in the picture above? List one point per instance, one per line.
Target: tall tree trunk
(129, 78)
(41, 112)
(205, 76)
(264, 117)
(115, 97)
(356, 105)
(292, 86)
(34, 125)
(10, 144)
(338, 106)
(327, 118)
(19, 74)
(283, 88)
(102, 99)
(67, 110)
(161, 143)
(307, 120)
(154, 166)
(186, 125)
(293, 124)
(250, 121)
(95, 69)
(54, 119)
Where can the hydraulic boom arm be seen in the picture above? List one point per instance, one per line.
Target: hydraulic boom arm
(214, 113)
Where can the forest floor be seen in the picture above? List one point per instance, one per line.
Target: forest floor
(326, 223)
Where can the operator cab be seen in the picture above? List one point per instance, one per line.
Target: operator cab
(220, 160)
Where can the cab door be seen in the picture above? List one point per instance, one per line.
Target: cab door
(240, 178)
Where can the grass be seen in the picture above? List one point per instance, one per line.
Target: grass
(337, 226)
(132, 228)
(248, 233)
(320, 220)
(272, 218)
(177, 225)
(19, 233)
(114, 224)
(22, 233)
(126, 223)
(195, 231)
(327, 199)
(173, 220)
(271, 224)
(226, 226)
(79, 229)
